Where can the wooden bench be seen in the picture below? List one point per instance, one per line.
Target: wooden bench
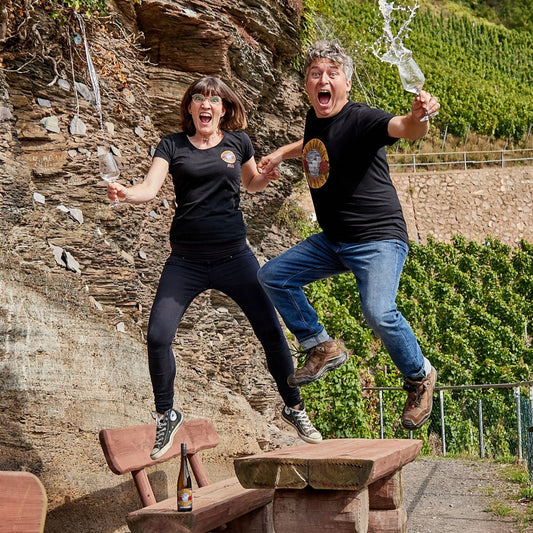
(23, 503)
(214, 504)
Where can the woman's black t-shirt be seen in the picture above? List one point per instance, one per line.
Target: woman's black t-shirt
(346, 167)
(207, 188)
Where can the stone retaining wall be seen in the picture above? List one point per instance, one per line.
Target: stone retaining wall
(474, 203)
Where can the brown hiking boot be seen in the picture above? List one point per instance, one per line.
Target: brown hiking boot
(320, 359)
(419, 401)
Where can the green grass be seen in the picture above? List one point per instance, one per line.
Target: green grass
(515, 499)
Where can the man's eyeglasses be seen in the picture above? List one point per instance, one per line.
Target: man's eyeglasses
(199, 98)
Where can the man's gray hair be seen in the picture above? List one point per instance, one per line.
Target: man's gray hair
(331, 50)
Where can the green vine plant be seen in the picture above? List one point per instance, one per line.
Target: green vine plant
(307, 31)
(89, 8)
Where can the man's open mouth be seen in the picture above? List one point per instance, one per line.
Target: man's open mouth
(324, 97)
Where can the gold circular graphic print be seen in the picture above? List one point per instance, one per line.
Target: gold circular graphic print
(316, 163)
(228, 156)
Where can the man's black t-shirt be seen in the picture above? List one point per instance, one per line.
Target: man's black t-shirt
(207, 187)
(346, 167)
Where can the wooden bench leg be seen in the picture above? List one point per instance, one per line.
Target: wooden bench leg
(387, 492)
(387, 514)
(257, 521)
(389, 521)
(327, 511)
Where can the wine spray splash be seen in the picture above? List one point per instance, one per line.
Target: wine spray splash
(389, 47)
(396, 53)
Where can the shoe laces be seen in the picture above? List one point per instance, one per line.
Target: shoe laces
(161, 426)
(296, 351)
(416, 390)
(303, 420)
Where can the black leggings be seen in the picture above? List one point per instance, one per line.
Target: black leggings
(181, 281)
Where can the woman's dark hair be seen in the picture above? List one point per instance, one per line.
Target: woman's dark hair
(235, 115)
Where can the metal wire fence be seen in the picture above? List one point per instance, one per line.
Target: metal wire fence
(489, 420)
(422, 162)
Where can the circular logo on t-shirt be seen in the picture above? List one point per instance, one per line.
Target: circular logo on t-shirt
(228, 156)
(316, 163)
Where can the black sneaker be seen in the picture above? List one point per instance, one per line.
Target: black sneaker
(299, 419)
(166, 427)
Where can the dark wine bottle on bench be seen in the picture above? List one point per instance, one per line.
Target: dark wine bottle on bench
(184, 482)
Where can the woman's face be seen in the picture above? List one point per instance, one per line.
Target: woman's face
(206, 112)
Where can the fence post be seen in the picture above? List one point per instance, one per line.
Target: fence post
(380, 414)
(464, 159)
(480, 425)
(502, 160)
(466, 136)
(446, 134)
(518, 421)
(414, 163)
(442, 425)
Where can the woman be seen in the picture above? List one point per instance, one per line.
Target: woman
(207, 162)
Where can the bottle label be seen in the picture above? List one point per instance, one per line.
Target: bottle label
(185, 499)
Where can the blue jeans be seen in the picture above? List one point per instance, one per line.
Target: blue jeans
(376, 265)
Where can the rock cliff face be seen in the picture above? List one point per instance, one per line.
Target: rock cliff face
(77, 278)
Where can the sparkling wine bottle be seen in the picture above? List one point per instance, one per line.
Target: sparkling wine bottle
(184, 482)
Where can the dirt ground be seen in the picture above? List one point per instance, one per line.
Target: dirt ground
(453, 495)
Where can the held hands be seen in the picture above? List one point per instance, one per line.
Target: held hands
(268, 164)
(116, 192)
(425, 106)
(274, 174)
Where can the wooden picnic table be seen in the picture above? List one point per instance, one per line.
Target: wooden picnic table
(338, 485)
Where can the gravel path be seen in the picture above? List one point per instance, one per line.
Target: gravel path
(451, 496)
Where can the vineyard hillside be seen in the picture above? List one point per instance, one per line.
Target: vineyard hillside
(481, 70)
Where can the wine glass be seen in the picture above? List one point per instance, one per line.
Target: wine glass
(108, 168)
(412, 79)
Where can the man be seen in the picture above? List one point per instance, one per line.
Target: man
(357, 207)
